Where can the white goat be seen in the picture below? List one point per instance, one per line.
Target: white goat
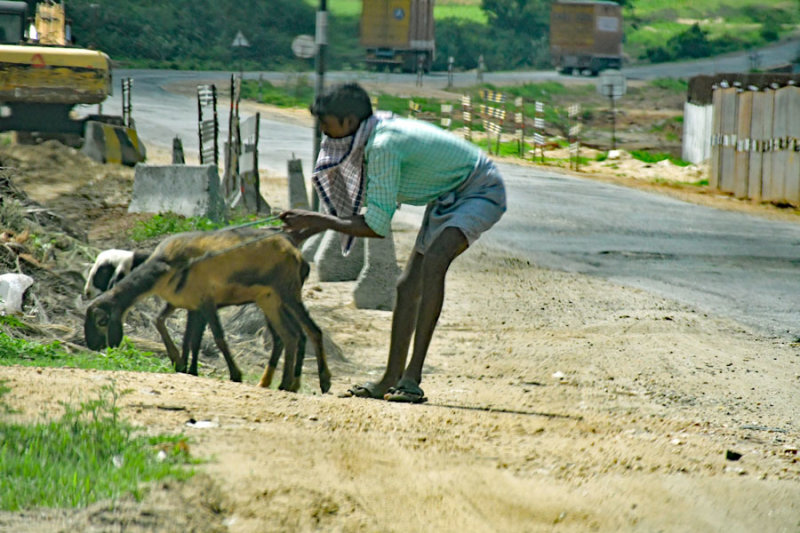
(109, 268)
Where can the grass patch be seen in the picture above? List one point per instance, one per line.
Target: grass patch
(87, 455)
(298, 91)
(169, 223)
(681, 184)
(649, 157)
(463, 9)
(675, 85)
(15, 351)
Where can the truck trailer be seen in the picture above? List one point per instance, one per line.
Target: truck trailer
(585, 37)
(398, 33)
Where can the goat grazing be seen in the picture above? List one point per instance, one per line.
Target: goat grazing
(109, 268)
(202, 271)
(113, 265)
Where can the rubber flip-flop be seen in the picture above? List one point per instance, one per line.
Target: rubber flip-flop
(367, 390)
(406, 391)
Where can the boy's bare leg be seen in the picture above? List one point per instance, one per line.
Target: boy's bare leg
(404, 318)
(449, 245)
(420, 294)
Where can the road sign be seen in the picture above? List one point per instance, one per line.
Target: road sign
(304, 46)
(239, 40)
(611, 83)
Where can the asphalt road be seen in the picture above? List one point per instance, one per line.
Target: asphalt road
(723, 263)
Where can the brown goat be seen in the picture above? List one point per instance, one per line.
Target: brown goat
(202, 271)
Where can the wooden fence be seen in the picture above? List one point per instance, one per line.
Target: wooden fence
(755, 144)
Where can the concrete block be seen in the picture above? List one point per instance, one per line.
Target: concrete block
(188, 190)
(376, 284)
(310, 246)
(332, 265)
(298, 196)
(108, 143)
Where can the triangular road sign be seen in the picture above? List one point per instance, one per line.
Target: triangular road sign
(239, 40)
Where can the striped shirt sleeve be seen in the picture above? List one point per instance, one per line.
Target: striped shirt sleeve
(382, 189)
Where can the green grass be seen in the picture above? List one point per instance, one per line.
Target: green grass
(16, 351)
(169, 223)
(673, 183)
(87, 455)
(464, 9)
(650, 157)
(670, 84)
(297, 92)
(456, 10)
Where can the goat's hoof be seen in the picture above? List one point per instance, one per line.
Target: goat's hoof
(325, 382)
(237, 377)
(294, 386)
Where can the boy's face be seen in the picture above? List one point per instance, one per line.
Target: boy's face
(335, 128)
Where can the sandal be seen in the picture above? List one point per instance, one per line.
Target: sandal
(406, 391)
(367, 390)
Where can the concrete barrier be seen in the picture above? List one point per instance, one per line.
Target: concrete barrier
(310, 246)
(376, 284)
(298, 197)
(186, 190)
(108, 143)
(332, 265)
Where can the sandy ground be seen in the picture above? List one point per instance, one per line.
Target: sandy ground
(557, 402)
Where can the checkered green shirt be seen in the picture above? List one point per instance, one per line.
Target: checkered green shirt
(411, 162)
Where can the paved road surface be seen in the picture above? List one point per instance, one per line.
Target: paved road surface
(722, 262)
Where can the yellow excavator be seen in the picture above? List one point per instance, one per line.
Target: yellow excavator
(43, 76)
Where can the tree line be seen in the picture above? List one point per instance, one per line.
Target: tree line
(198, 34)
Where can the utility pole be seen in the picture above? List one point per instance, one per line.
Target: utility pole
(322, 44)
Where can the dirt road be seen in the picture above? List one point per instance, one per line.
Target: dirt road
(557, 403)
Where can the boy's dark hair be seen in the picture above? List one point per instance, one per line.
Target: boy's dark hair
(343, 100)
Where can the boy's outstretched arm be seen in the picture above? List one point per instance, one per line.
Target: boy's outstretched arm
(301, 224)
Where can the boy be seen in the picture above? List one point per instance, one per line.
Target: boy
(385, 163)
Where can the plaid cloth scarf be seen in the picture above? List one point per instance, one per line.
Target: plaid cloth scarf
(339, 174)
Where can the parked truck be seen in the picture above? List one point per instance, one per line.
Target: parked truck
(398, 33)
(43, 76)
(585, 37)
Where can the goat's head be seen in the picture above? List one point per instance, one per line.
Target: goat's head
(102, 326)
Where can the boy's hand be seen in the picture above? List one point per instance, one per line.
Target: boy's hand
(301, 224)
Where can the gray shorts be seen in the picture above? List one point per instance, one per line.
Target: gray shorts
(474, 207)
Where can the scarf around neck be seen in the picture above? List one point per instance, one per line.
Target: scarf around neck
(339, 174)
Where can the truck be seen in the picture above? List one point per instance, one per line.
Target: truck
(43, 76)
(398, 34)
(585, 37)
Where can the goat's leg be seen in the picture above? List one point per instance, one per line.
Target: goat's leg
(209, 310)
(288, 335)
(301, 354)
(172, 350)
(195, 325)
(277, 348)
(300, 314)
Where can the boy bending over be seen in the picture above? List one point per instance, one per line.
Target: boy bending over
(382, 163)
